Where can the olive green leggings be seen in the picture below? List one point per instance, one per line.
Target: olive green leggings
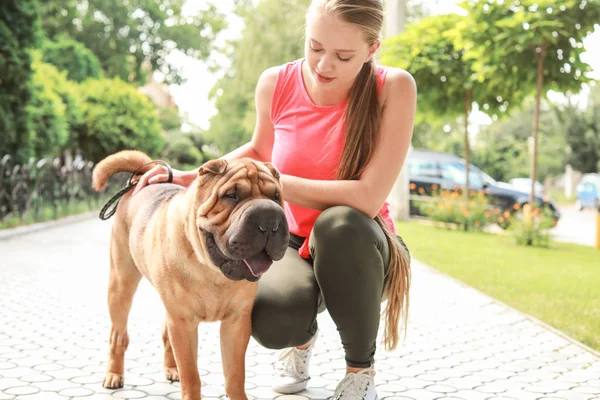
(345, 275)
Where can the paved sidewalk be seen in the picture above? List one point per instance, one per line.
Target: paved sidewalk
(461, 344)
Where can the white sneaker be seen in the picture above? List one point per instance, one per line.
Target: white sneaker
(356, 386)
(291, 369)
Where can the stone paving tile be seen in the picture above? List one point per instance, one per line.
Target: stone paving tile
(460, 345)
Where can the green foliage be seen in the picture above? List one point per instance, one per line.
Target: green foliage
(117, 117)
(48, 113)
(19, 30)
(281, 40)
(502, 148)
(443, 74)
(72, 56)
(502, 40)
(125, 35)
(185, 149)
(582, 130)
(533, 231)
(169, 118)
(447, 208)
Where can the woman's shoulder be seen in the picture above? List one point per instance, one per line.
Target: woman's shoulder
(272, 82)
(268, 78)
(397, 80)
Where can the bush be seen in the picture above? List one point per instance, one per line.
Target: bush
(533, 231)
(49, 77)
(19, 30)
(117, 117)
(448, 208)
(48, 114)
(185, 150)
(72, 56)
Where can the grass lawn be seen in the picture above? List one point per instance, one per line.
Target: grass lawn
(559, 285)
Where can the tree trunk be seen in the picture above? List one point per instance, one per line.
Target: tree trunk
(536, 120)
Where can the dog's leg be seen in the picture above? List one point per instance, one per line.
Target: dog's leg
(235, 335)
(123, 282)
(170, 365)
(183, 336)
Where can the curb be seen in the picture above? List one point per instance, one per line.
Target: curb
(9, 233)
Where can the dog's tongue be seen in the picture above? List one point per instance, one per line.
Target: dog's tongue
(259, 264)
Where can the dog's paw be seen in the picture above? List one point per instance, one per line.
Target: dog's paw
(113, 381)
(172, 374)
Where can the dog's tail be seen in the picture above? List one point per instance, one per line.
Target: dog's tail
(123, 161)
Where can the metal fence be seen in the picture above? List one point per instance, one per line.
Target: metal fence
(46, 189)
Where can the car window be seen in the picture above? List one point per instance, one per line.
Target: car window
(426, 168)
(455, 172)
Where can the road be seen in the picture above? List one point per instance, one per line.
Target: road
(576, 226)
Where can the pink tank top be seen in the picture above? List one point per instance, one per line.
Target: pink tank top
(309, 140)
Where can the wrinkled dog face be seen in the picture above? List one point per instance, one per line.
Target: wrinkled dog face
(241, 218)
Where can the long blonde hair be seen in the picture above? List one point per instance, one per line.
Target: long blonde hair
(363, 118)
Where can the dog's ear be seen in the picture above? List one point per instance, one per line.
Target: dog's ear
(273, 170)
(216, 167)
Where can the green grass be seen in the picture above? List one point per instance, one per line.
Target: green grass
(47, 213)
(559, 285)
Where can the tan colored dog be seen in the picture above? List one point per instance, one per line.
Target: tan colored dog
(203, 248)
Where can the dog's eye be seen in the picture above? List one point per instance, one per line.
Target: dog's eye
(230, 196)
(276, 197)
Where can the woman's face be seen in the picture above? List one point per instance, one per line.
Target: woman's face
(335, 50)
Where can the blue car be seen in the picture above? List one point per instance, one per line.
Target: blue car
(588, 192)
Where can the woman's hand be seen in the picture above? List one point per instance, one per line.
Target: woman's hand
(159, 174)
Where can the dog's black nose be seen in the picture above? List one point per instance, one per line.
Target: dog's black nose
(266, 226)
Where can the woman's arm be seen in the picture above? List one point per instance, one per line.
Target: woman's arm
(370, 192)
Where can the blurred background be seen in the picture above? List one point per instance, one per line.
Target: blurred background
(506, 86)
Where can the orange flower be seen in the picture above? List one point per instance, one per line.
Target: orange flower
(421, 190)
(477, 224)
(434, 186)
(506, 214)
(413, 186)
(516, 206)
(500, 219)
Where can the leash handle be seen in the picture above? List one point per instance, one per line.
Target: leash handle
(114, 200)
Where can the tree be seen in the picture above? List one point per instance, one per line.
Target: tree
(503, 148)
(125, 35)
(280, 42)
(72, 56)
(447, 85)
(526, 46)
(117, 117)
(19, 31)
(582, 130)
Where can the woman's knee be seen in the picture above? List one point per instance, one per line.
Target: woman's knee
(281, 322)
(342, 223)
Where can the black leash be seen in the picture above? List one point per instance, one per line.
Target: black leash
(130, 185)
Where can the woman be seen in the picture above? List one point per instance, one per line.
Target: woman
(338, 128)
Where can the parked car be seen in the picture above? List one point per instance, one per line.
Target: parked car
(429, 169)
(524, 185)
(588, 192)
